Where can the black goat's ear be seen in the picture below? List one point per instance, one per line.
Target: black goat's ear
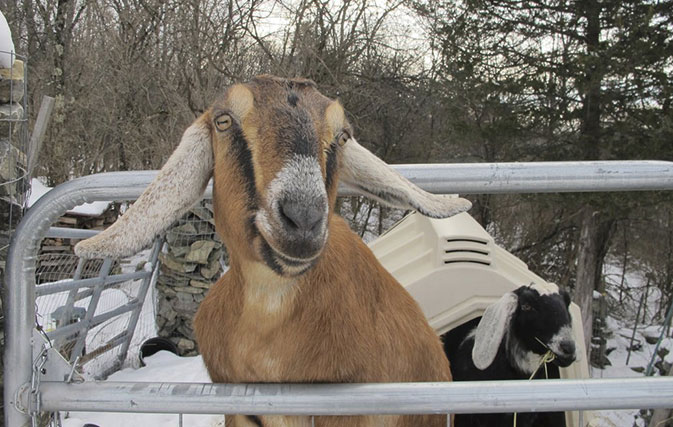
(491, 330)
(566, 297)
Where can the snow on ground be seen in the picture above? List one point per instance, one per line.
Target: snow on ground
(620, 341)
(639, 359)
(620, 323)
(163, 366)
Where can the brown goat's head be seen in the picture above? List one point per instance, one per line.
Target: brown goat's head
(275, 146)
(276, 149)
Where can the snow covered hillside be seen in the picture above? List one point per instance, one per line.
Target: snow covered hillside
(622, 312)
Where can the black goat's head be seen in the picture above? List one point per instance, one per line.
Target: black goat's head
(532, 320)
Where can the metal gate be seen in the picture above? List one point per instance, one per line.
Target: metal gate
(38, 378)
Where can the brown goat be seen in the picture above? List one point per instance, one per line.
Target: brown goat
(304, 299)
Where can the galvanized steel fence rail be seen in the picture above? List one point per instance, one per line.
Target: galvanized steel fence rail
(25, 394)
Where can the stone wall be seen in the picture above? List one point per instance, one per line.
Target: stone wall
(192, 259)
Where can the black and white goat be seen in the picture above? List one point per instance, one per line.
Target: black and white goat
(509, 343)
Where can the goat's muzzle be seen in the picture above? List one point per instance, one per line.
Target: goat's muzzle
(565, 353)
(303, 223)
(293, 222)
(564, 347)
(297, 235)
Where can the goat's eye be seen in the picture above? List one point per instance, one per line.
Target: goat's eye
(526, 307)
(343, 138)
(223, 122)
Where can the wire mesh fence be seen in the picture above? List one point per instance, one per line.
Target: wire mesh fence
(96, 313)
(52, 267)
(13, 146)
(192, 258)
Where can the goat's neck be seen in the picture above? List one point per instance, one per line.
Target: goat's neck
(264, 292)
(521, 359)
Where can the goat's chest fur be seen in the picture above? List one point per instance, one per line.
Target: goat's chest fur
(280, 332)
(327, 325)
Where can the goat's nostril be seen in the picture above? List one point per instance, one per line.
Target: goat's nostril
(288, 215)
(567, 346)
(315, 228)
(299, 216)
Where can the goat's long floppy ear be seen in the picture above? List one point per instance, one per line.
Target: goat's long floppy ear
(367, 173)
(180, 183)
(491, 330)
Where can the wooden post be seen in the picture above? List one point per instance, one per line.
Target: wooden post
(40, 129)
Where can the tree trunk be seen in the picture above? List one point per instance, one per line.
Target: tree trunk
(590, 132)
(481, 210)
(593, 242)
(593, 236)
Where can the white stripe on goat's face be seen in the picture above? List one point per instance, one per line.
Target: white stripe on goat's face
(546, 289)
(293, 221)
(276, 147)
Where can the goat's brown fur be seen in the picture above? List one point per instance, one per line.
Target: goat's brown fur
(345, 320)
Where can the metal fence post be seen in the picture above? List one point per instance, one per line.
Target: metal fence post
(142, 293)
(91, 310)
(70, 301)
(19, 324)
